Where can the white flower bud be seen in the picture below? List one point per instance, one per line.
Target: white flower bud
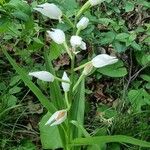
(42, 75)
(57, 35)
(65, 85)
(103, 60)
(83, 23)
(95, 2)
(57, 118)
(83, 45)
(49, 10)
(76, 41)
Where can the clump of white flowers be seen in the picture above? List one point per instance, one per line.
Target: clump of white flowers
(76, 42)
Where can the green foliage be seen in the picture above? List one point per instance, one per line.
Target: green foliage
(114, 70)
(138, 98)
(50, 136)
(116, 27)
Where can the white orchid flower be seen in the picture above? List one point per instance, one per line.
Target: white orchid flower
(76, 41)
(83, 23)
(65, 86)
(57, 118)
(57, 35)
(49, 10)
(95, 2)
(42, 75)
(103, 60)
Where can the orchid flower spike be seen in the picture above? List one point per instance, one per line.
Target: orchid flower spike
(76, 41)
(103, 60)
(57, 35)
(49, 10)
(83, 23)
(65, 86)
(57, 118)
(95, 2)
(42, 75)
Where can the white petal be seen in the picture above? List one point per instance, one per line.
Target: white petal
(49, 10)
(83, 23)
(75, 41)
(103, 60)
(83, 46)
(57, 35)
(65, 86)
(43, 75)
(57, 118)
(95, 2)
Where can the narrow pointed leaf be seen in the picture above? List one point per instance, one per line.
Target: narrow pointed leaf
(24, 76)
(109, 139)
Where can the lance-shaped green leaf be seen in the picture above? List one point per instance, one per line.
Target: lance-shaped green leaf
(24, 76)
(109, 139)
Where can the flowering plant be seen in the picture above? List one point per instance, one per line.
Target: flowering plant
(65, 116)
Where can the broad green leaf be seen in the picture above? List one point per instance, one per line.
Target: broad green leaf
(24, 76)
(12, 100)
(14, 80)
(107, 38)
(145, 77)
(136, 46)
(129, 6)
(104, 21)
(50, 137)
(122, 37)
(119, 46)
(114, 70)
(138, 98)
(143, 59)
(14, 90)
(109, 139)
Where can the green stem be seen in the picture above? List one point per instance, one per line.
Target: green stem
(59, 79)
(79, 80)
(68, 21)
(83, 9)
(67, 49)
(82, 66)
(78, 31)
(67, 101)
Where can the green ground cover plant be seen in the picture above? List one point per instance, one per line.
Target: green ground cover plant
(74, 74)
